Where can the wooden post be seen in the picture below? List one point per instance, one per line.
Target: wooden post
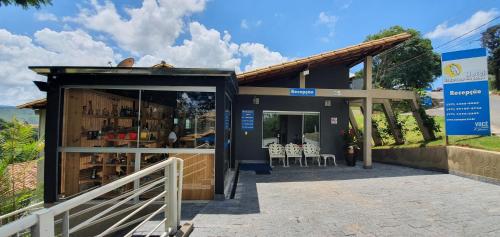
(377, 139)
(367, 151)
(302, 78)
(391, 119)
(426, 132)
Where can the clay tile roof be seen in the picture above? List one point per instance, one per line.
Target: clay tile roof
(35, 104)
(350, 55)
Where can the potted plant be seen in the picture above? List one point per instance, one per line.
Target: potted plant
(350, 146)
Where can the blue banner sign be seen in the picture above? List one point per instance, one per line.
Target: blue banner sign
(466, 97)
(247, 120)
(302, 92)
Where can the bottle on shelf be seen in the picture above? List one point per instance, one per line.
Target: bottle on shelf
(90, 111)
(94, 174)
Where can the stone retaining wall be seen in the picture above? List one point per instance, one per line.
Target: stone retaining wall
(473, 163)
(432, 158)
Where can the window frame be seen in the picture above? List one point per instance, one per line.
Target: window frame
(287, 112)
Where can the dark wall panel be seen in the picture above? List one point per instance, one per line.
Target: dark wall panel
(249, 147)
(331, 77)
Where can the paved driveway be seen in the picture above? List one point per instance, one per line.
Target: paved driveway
(341, 201)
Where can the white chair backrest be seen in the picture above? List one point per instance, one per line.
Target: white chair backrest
(310, 150)
(293, 150)
(276, 150)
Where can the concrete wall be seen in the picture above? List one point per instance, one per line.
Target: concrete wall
(472, 163)
(433, 158)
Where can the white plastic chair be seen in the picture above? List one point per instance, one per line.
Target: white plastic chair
(293, 151)
(312, 151)
(276, 151)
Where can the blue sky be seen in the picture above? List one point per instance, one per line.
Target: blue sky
(218, 33)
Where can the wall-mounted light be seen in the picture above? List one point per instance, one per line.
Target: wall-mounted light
(256, 100)
(328, 103)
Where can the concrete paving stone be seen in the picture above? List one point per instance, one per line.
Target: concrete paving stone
(350, 201)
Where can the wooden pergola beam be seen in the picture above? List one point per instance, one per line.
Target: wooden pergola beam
(392, 121)
(354, 124)
(427, 133)
(336, 93)
(376, 138)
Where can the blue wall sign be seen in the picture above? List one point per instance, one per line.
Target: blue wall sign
(466, 97)
(247, 120)
(302, 92)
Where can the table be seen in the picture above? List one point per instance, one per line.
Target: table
(326, 156)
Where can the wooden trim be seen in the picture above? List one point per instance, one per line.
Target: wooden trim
(302, 79)
(337, 93)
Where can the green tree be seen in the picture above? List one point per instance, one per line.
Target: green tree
(490, 39)
(17, 144)
(412, 65)
(26, 3)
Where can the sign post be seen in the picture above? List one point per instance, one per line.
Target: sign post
(466, 95)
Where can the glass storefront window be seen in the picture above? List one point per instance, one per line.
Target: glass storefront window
(270, 128)
(290, 127)
(82, 171)
(128, 118)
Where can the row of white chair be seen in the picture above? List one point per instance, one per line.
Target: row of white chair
(294, 151)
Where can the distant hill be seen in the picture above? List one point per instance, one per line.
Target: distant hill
(8, 112)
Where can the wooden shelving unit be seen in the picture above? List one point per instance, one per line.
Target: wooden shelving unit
(87, 111)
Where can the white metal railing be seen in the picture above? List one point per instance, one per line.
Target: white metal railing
(56, 220)
(9, 217)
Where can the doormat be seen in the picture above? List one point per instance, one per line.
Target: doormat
(258, 168)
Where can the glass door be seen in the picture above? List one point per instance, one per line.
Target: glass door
(296, 127)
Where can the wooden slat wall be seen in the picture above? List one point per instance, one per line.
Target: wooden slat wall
(199, 176)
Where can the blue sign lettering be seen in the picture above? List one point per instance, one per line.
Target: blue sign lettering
(302, 92)
(466, 97)
(247, 120)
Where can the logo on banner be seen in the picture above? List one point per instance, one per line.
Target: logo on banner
(453, 69)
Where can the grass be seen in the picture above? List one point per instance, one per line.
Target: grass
(413, 136)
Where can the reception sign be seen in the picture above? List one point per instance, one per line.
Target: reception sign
(466, 97)
(247, 120)
(302, 92)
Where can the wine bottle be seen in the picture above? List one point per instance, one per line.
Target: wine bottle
(94, 174)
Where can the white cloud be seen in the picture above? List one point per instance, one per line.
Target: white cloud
(260, 56)
(45, 16)
(149, 32)
(206, 48)
(479, 18)
(329, 21)
(47, 47)
(346, 5)
(244, 24)
(324, 18)
(156, 24)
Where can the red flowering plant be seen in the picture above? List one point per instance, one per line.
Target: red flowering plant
(350, 138)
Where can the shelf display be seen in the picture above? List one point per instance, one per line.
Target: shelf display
(98, 118)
